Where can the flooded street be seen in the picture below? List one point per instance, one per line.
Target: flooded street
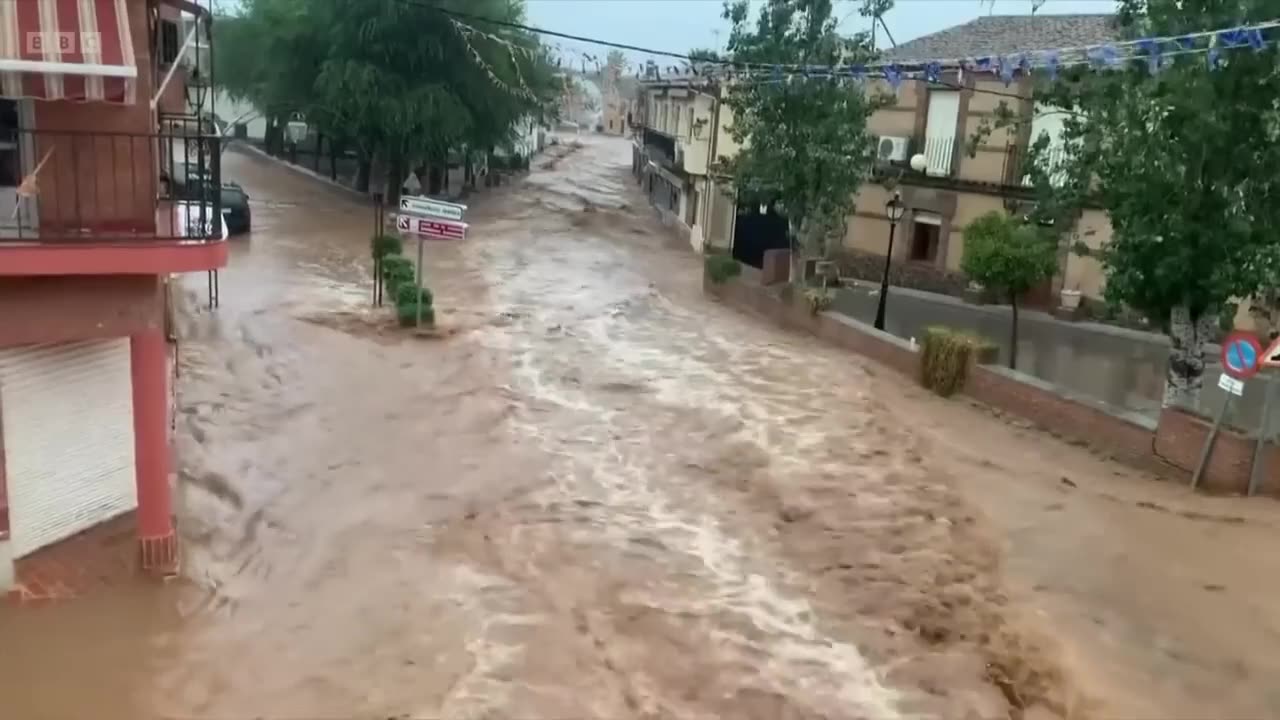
(603, 495)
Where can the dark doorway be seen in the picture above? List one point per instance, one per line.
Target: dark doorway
(924, 242)
(753, 234)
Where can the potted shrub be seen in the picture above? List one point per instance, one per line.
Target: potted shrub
(1070, 297)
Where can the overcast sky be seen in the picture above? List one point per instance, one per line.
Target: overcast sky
(678, 25)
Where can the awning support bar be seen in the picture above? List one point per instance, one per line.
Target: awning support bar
(182, 52)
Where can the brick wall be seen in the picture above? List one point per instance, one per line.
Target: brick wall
(1169, 448)
(1180, 439)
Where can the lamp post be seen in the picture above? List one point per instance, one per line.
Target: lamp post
(197, 91)
(893, 211)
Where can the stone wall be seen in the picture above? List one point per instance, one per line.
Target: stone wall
(863, 265)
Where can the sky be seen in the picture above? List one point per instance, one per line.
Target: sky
(679, 25)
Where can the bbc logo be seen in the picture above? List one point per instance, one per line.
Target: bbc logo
(63, 43)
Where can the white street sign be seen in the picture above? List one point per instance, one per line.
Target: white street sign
(431, 228)
(1231, 385)
(431, 208)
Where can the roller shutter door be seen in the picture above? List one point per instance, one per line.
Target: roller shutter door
(67, 413)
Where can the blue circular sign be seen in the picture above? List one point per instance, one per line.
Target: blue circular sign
(1240, 354)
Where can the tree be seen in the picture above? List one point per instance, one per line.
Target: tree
(1183, 160)
(1009, 256)
(402, 81)
(805, 140)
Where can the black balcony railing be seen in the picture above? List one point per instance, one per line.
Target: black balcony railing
(1017, 172)
(58, 187)
(662, 147)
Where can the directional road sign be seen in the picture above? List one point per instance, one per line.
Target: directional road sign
(431, 229)
(1240, 355)
(1271, 356)
(426, 207)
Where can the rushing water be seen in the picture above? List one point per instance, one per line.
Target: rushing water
(600, 495)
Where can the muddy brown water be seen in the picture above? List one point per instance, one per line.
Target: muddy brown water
(601, 495)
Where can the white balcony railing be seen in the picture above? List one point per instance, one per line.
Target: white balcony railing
(938, 152)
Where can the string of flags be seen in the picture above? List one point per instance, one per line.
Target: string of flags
(1156, 53)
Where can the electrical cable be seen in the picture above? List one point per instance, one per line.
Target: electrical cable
(1267, 25)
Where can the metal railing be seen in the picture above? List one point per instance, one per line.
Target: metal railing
(1017, 173)
(72, 186)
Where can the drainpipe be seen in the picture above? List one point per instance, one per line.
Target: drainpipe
(707, 198)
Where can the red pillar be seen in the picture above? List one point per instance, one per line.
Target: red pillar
(156, 536)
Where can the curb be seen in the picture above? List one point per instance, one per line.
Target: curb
(250, 149)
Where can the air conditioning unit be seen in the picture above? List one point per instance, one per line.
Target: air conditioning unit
(892, 149)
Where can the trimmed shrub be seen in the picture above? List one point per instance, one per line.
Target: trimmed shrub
(380, 246)
(721, 267)
(945, 357)
(406, 306)
(396, 270)
(405, 295)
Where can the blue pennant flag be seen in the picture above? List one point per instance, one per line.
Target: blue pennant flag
(1256, 41)
(1006, 71)
(1151, 49)
(777, 72)
(857, 71)
(1051, 64)
(982, 64)
(1233, 38)
(894, 76)
(1214, 57)
(933, 71)
(1186, 43)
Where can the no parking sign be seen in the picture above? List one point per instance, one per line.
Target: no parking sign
(1241, 352)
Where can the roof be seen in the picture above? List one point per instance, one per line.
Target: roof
(1007, 34)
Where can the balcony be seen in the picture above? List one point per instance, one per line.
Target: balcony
(99, 203)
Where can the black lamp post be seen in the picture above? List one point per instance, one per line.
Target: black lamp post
(893, 210)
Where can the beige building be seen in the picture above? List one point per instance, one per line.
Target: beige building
(682, 130)
(937, 120)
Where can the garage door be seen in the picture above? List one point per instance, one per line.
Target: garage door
(67, 414)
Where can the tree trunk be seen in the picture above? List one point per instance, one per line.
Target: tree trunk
(1188, 335)
(468, 172)
(795, 237)
(333, 160)
(319, 148)
(444, 161)
(1013, 332)
(273, 137)
(363, 170)
(395, 178)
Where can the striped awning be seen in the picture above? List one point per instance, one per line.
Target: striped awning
(78, 50)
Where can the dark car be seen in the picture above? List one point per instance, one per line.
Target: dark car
(235, 209)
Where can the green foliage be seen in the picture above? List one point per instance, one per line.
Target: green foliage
(805, 140)
(721, 268)
(819, 299)
(396, 79)
(1009, 256)
(945, 358)
(407, 297)
(407, 294)
(1006, 254)
(386, 244)
(397, 269)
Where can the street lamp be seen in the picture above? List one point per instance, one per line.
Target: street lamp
(197, 90)
(296, 128)
(893, 211)
(919, 163)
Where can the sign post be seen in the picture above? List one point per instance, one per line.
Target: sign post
(1241, 353)
(429, 219)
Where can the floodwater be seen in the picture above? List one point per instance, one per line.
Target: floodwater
(597, 494)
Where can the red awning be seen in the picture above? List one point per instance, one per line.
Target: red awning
(67, 50)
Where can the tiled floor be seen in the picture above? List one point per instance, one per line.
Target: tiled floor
(104, 555)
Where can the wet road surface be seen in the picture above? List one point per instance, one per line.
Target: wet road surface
(601, 495)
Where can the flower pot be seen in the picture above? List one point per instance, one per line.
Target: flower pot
(1070, 299)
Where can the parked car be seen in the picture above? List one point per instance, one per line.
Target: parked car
(235, 209)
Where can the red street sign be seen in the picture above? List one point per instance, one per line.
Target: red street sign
(434, 229)
(1241, 353)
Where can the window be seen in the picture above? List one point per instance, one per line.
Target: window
(940, 130)
(10, 157)
(693, 209)
(689, 131)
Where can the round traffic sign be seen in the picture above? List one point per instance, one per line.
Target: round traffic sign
(1240, 354)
